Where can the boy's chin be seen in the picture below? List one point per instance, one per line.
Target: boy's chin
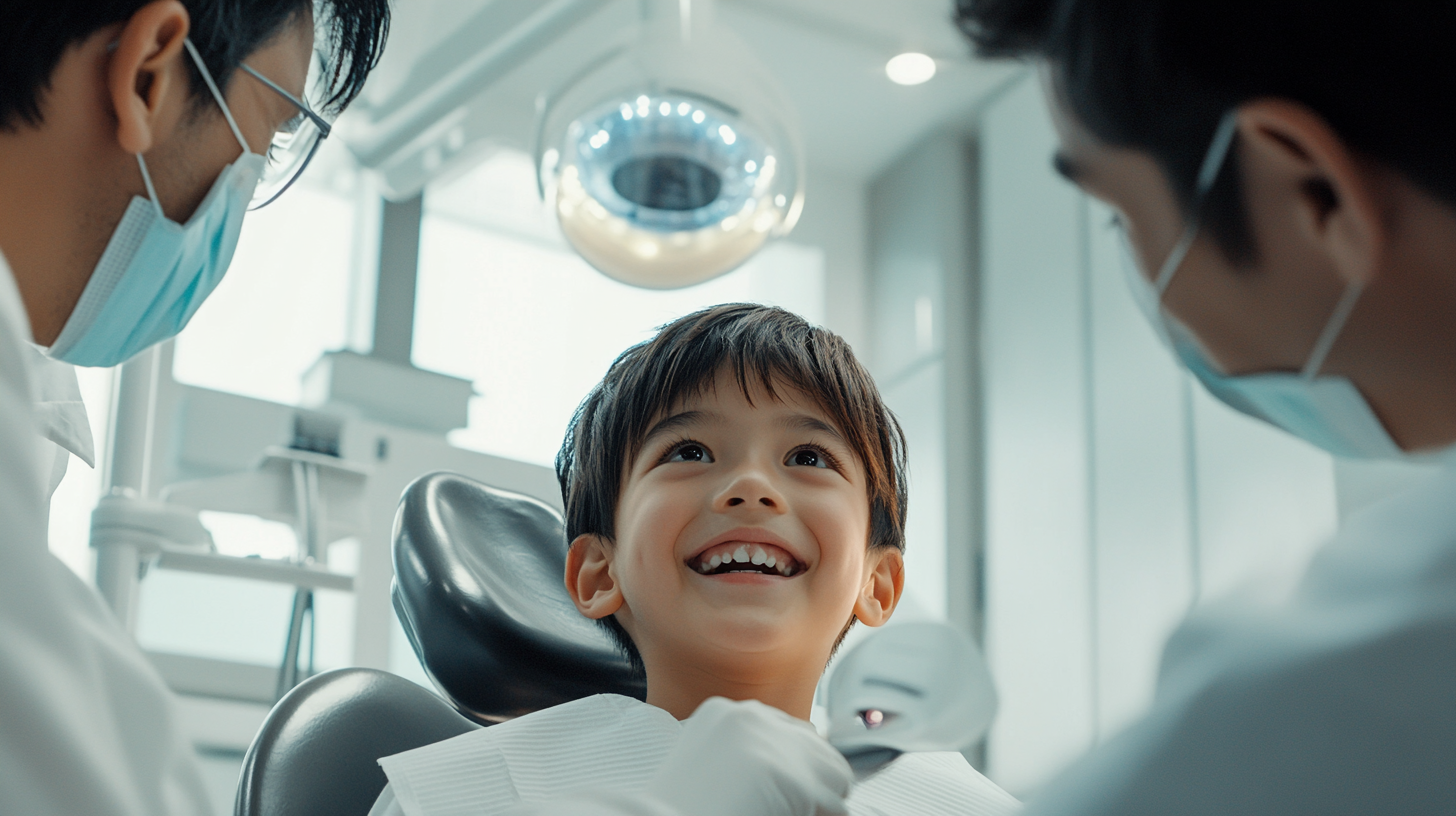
(745, 631)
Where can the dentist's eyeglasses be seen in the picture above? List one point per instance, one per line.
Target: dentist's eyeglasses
(293, 147)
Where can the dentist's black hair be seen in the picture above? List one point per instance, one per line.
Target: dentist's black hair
(1156, 75)
(34, 35)
(762, 346)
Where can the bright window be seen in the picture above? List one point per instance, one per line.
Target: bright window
(284, 301)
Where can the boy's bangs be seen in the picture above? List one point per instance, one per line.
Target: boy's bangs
(771, 371)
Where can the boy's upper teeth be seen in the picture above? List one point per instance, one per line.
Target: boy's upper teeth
(746, 553)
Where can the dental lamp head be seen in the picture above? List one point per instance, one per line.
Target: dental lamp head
(673, 158)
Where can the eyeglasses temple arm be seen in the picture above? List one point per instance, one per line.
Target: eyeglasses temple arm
(320, 122)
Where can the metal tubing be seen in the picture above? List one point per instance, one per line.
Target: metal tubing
(308, 505)
(399, 264)
(132, 426)
(381, 141)
(118, 564)
(118, 571)
(288, 673)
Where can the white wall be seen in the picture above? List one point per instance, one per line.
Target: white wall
(921, 331)
(1117, 493)
(834, 220)
(1036, 405)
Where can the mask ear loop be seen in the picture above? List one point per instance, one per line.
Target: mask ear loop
(1332, 330)
(1175, 258)
(222, 105)
(216, 94)
(1218, 149)
(151, 189)
(1213, 161)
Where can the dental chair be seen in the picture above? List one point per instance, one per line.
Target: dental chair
(478, 589)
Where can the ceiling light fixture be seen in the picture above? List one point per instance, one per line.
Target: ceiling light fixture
(910, 68)
(674, 158)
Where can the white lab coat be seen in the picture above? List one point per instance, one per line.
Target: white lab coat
(607, 747)
(86, 724)
(1337, 699)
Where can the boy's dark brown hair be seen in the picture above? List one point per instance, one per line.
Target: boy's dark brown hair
(761, 345)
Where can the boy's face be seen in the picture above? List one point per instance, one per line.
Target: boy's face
(742, 533)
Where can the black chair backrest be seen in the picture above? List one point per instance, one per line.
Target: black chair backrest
(317, 752)
(479, 590)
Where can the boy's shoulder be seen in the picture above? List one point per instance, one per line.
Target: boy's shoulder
(931, 784)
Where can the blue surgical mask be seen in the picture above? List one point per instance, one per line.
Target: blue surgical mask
(155, 273)
(1327, 411)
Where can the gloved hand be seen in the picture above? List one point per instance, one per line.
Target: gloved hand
(749, 759)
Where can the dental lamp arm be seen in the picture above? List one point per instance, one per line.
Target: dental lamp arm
(734, 759)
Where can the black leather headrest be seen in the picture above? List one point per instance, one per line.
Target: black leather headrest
(317, 752)
(479, 590)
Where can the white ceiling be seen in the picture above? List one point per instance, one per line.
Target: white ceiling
(828, 55)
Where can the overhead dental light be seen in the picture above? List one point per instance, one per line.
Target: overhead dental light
(910, 68)
(674, 158)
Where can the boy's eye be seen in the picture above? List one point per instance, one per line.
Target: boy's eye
(689, 452)
(808, 457)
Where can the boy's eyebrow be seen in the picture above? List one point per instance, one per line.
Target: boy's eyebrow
(676, 422)
(804, 422)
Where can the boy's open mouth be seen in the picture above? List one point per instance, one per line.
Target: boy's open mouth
(739, 556)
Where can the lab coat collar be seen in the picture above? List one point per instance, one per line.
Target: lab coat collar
(12, 309)
(59, 411)
(58, 407)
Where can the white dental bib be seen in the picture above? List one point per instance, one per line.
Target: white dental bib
(610, 743)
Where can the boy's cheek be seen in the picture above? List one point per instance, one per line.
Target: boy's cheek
(841, 531)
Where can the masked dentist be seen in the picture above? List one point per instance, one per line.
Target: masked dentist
(134, 136)
(1285, 173)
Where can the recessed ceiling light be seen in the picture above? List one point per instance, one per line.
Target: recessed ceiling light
(910, 68)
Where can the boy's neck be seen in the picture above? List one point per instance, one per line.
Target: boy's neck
(679, 689)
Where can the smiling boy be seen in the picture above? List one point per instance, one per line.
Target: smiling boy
(735, 500)
(738, 436)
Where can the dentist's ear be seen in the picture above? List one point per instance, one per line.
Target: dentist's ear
(1337, 197)
(589, 579)
(147, 75)
(882, 589)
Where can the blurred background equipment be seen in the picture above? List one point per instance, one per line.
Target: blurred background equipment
(920, 686)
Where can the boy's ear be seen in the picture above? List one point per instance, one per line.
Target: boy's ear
(589, 579)
(880, 593)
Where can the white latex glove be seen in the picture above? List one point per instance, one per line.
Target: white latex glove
(749, 759)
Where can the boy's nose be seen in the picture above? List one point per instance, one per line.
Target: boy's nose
(751, 489)
(766, 501)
